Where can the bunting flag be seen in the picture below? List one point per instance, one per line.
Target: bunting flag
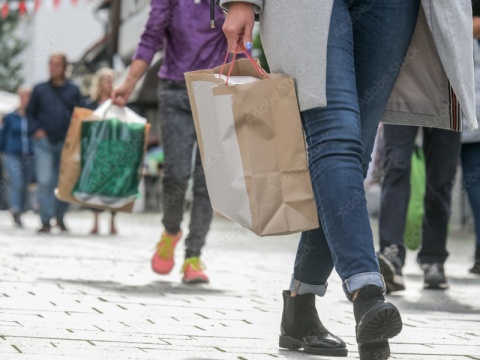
(23, 7)
(5, 10)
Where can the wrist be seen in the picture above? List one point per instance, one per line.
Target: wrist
(242, 5)
(131, 81)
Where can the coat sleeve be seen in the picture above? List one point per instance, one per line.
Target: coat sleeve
(32, 110)
(258, 4)
(78, 97)
(3, 132)
(452, 24)
(153, 36)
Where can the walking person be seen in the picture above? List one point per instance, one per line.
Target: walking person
(180, 29)
(346, 57)
(49, 112)
(16, 144)
(101, 91)
(470, 154)
(441, 149)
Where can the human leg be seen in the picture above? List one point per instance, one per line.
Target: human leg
(395, 196)
(15, 179)
(178, 136)
(442, 150)
(61, 207)
(113, 227)
(178, 141)
(16, 184)
(471, 182)
(44, 168)
(336, 148)
(202, 213)
(382, 33)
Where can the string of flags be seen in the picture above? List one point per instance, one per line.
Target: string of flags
(24, 7)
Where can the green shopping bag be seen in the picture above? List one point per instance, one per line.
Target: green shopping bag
(416, 208)
(112, 151)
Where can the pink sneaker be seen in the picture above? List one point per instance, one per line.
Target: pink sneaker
(162, 260)
(193, 271)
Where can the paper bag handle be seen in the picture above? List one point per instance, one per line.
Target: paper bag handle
(257, 67)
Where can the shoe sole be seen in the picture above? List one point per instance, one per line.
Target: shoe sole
(381, 323)
(195, 281)
(393, 282)
(436, 286)
(287, 342)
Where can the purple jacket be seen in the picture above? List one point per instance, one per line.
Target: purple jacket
(182, 29)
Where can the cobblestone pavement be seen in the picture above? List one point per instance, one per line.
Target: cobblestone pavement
(81, 297)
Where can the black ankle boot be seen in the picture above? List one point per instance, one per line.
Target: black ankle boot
(377, 321)
(302, 328)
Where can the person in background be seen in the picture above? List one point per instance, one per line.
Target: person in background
(49, 112)
(183, 31)
(16, 144)
(101, 91)
(442, 149)
(470, 154)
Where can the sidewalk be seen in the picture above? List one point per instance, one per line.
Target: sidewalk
(81, 297)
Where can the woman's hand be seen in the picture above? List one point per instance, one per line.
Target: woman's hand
(121, 94)
(239, 24)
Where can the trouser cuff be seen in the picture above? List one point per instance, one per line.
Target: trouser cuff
(301, 288)
(356, 282)
(192, 253)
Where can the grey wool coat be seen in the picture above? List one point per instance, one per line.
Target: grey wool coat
(435, 86)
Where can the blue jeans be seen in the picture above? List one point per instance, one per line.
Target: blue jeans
(471, 182)
(19, 176)
(47, 167)
(368, 41)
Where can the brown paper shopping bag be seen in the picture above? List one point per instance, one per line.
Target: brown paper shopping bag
(70, 164)
(253, 148)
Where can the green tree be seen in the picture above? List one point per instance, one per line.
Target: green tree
(11, 76)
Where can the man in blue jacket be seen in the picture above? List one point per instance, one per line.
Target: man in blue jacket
(49, 112)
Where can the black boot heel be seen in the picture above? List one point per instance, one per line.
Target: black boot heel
(377, 321)
(377, 350)
(286, 342)
(302, 328)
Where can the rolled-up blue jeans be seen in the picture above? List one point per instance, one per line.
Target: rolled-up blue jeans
(367, 43)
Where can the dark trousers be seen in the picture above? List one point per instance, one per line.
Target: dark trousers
(441, 148)
(471, 183)
(181, 163)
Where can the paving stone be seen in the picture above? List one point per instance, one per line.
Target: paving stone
(72, 296)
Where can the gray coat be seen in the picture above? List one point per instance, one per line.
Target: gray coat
(474, 136)
(440, 58)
